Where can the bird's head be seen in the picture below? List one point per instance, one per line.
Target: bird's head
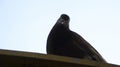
(64, 20)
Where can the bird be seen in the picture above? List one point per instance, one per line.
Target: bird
(64, 42)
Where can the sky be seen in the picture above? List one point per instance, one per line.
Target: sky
(25, 24)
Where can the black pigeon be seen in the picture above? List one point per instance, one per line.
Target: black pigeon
(62, 41)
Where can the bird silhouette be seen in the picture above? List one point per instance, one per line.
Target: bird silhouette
(64, 42)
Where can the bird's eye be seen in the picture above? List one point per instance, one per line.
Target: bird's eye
(65, 17)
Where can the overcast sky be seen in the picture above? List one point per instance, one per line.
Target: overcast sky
(25, 24)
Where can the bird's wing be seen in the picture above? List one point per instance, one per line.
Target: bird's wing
(86, 47)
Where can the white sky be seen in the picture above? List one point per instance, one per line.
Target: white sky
(25, 24)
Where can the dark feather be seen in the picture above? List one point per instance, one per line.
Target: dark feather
(62, 41)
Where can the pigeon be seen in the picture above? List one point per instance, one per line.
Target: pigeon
(64, 42)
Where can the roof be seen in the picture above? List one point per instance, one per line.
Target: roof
(11, 58)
